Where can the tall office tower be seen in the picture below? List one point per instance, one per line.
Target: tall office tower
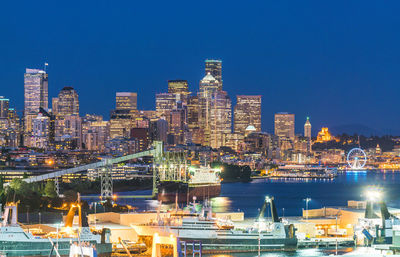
(165, 102)
(67, 102)
(307, 128)
(40, 131)
(247, 113)
(4, 107)
(177, 125)
(178, 87)
(193, 111)
(35, 96)
(284, 125)
(215, 115)
(214, 67)
(126, 101)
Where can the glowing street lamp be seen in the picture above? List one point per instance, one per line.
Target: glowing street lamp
(373, 195)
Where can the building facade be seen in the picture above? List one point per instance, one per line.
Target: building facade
(126, 101)
(35, 97)
(247, 112)
(284, 125)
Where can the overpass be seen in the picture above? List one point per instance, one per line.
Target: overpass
(105, 166)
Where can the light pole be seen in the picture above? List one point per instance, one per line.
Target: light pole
(95, 212)
(307, 200)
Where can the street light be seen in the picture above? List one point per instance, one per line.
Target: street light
(307, 200)
(373, 195)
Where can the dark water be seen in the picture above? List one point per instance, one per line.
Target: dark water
(289, 194)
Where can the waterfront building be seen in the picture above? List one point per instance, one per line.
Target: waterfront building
(284, 125)
(67, 103)
(4, 107)
(35, 96)
(214, 67)
(247, 112)
(215, 115)
(126, 101)
(302, 144)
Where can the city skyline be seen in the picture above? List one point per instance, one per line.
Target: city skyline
(297, 61)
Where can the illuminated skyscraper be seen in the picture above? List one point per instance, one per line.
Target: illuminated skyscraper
(67, 103)
(214, 67)
(178, 124)
(284, 125)
(165, 102)
(215, 114)
(4, 107)
(178, 87)
(35, 96)
(307, 129)
(40, 131)
(126, 101)
(247, 112)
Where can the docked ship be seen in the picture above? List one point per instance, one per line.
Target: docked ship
(17, 241)
(201, 183)
(303, 171)
(218, 235)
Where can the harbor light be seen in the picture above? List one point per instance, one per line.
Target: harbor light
(373, 195)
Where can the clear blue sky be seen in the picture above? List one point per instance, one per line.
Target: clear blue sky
(335, 61)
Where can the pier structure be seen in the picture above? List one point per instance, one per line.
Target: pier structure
(167, 166)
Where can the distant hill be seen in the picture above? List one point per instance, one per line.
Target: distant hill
(360, 129)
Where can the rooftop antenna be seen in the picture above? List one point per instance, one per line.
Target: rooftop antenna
(45, 66)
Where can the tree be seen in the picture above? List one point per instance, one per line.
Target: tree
(50, 189)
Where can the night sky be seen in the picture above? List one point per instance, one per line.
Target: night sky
(337, 62)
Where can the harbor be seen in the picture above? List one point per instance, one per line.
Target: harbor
(321, 222)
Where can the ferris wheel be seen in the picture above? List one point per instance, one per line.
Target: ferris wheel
(356, 158)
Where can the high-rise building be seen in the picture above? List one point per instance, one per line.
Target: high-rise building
(284, 125)
(67, 102)
(307, 129)
(177, 124)
(165, 102)
(214, 67)
(4, 107)
(178, 87)
(126, 101)
(215, 115)
(35, 96)
(193, 111)
(247, 113)
(40, 131)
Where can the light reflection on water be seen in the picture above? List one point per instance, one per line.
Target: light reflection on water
(289, 193)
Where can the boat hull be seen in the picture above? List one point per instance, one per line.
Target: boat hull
(169, 191)
(32, 248)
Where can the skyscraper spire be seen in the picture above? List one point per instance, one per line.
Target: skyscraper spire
(307, 128)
